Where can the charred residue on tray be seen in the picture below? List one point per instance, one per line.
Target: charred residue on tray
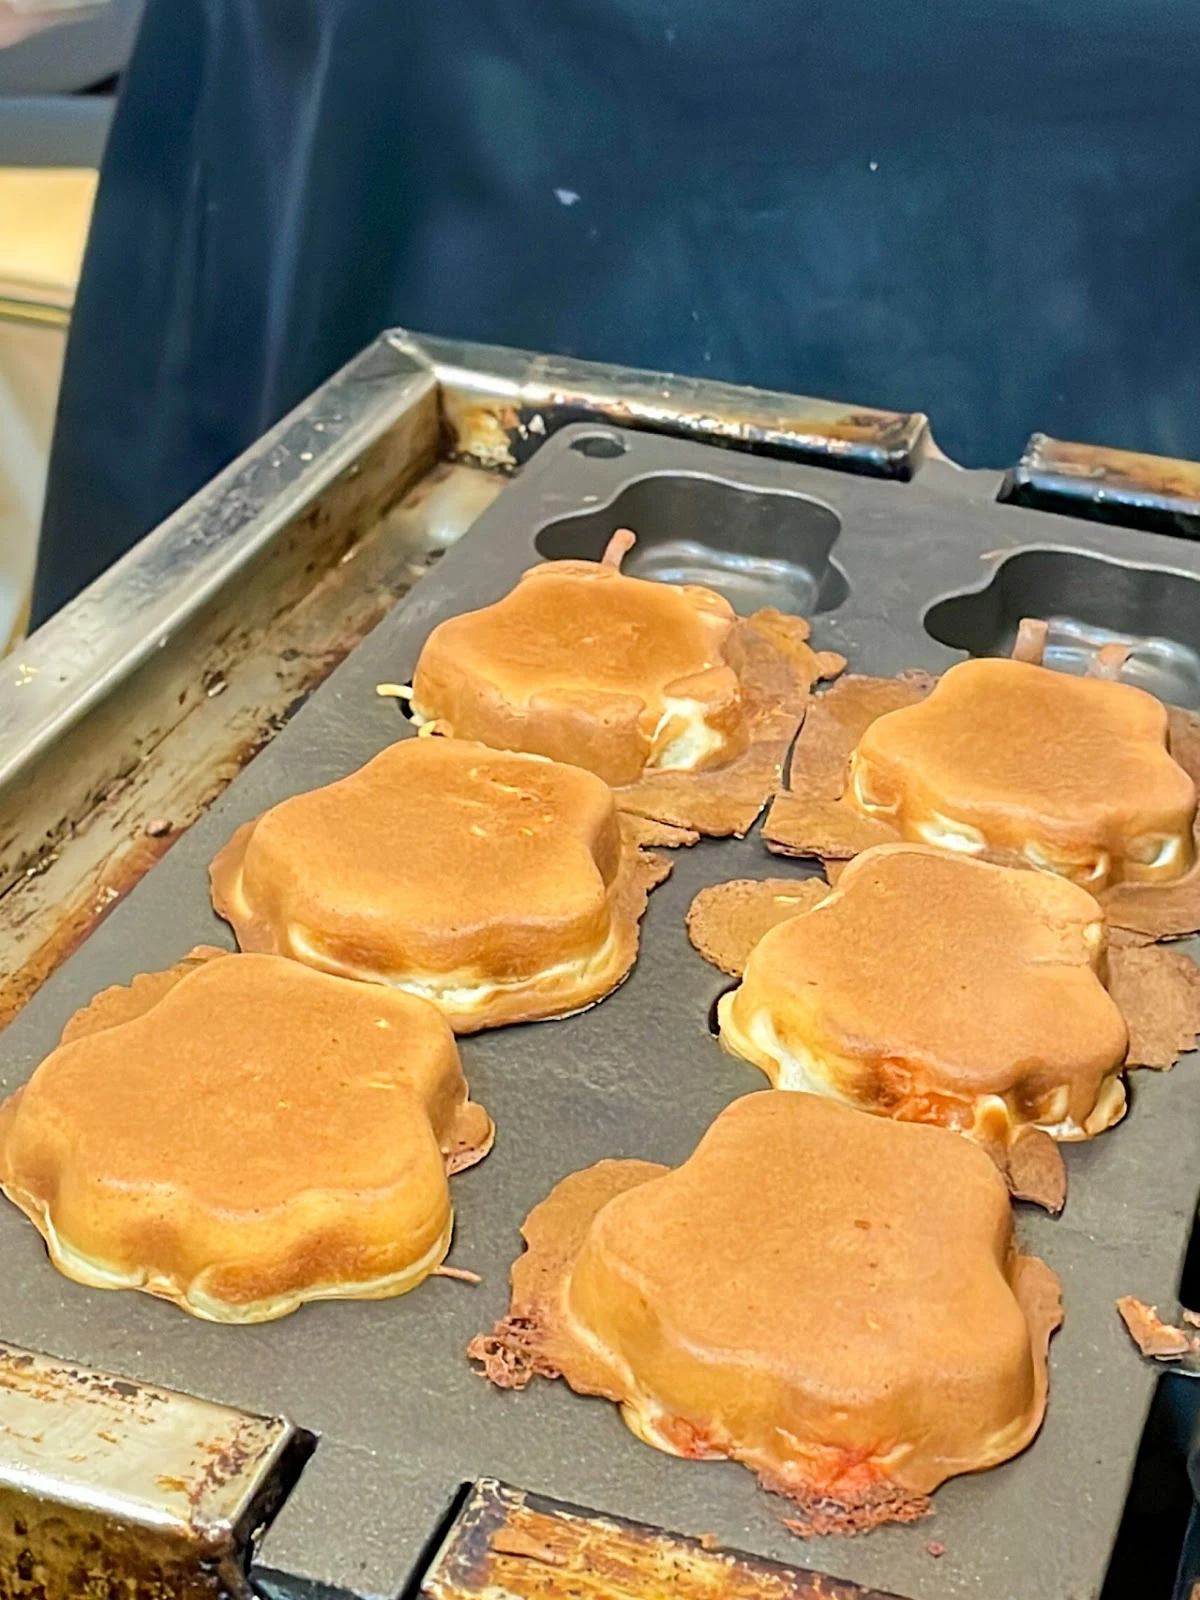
(501, 425)
(1158, 493)
(507, 1542)
(143, 1492)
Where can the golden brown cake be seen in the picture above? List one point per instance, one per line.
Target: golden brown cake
(241, 1135)
(933, 988)
(584, 665)
(499, 886)
(832, 1299)
(1074, 774)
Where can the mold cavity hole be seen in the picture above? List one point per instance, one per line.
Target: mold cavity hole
(757, 547)
(599, 446)
(1088, 601)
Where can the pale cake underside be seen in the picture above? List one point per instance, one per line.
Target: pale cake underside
(205, 1298)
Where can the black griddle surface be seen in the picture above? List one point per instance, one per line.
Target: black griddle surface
(403, 1418)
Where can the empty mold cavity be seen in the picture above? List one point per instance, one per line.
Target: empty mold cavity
(1088, 601)
(756, 547)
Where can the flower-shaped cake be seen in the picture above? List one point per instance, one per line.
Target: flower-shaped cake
(499, 886)
(832, 1299)
(933, 988)
(580, 663)
(1073, 774)
(240, 1135)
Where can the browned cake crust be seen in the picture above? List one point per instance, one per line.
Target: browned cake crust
(687, 711)
(241, 1134)
(1129, 765)
(587, 666)
(1072, 773)
(500, 886)
(832, 1299)
(933, 988)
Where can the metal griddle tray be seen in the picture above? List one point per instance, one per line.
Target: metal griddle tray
(402, 1418)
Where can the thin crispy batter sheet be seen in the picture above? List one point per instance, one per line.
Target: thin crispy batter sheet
(777, 669)
(832, 1299)
(1158, 992)
(503, 887)
(1154, 1337)
(810, 816)
(726, 920)
(241, 1134)
(813, 817)
(1033, 1168)
(648, 834)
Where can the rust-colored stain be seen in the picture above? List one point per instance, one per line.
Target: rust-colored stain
(1125, 487)
(499, 434)
(23, 1372)
(887, 430)
(72, 1541)
(224, 1461)
(512, 1544)
(1124, 470)
(145, 842)
(80, 919)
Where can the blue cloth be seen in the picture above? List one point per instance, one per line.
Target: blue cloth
(987, 211)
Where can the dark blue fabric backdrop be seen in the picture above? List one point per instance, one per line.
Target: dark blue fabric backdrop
(989, 211)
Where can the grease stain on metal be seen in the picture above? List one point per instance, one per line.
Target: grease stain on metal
(506, 1544)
